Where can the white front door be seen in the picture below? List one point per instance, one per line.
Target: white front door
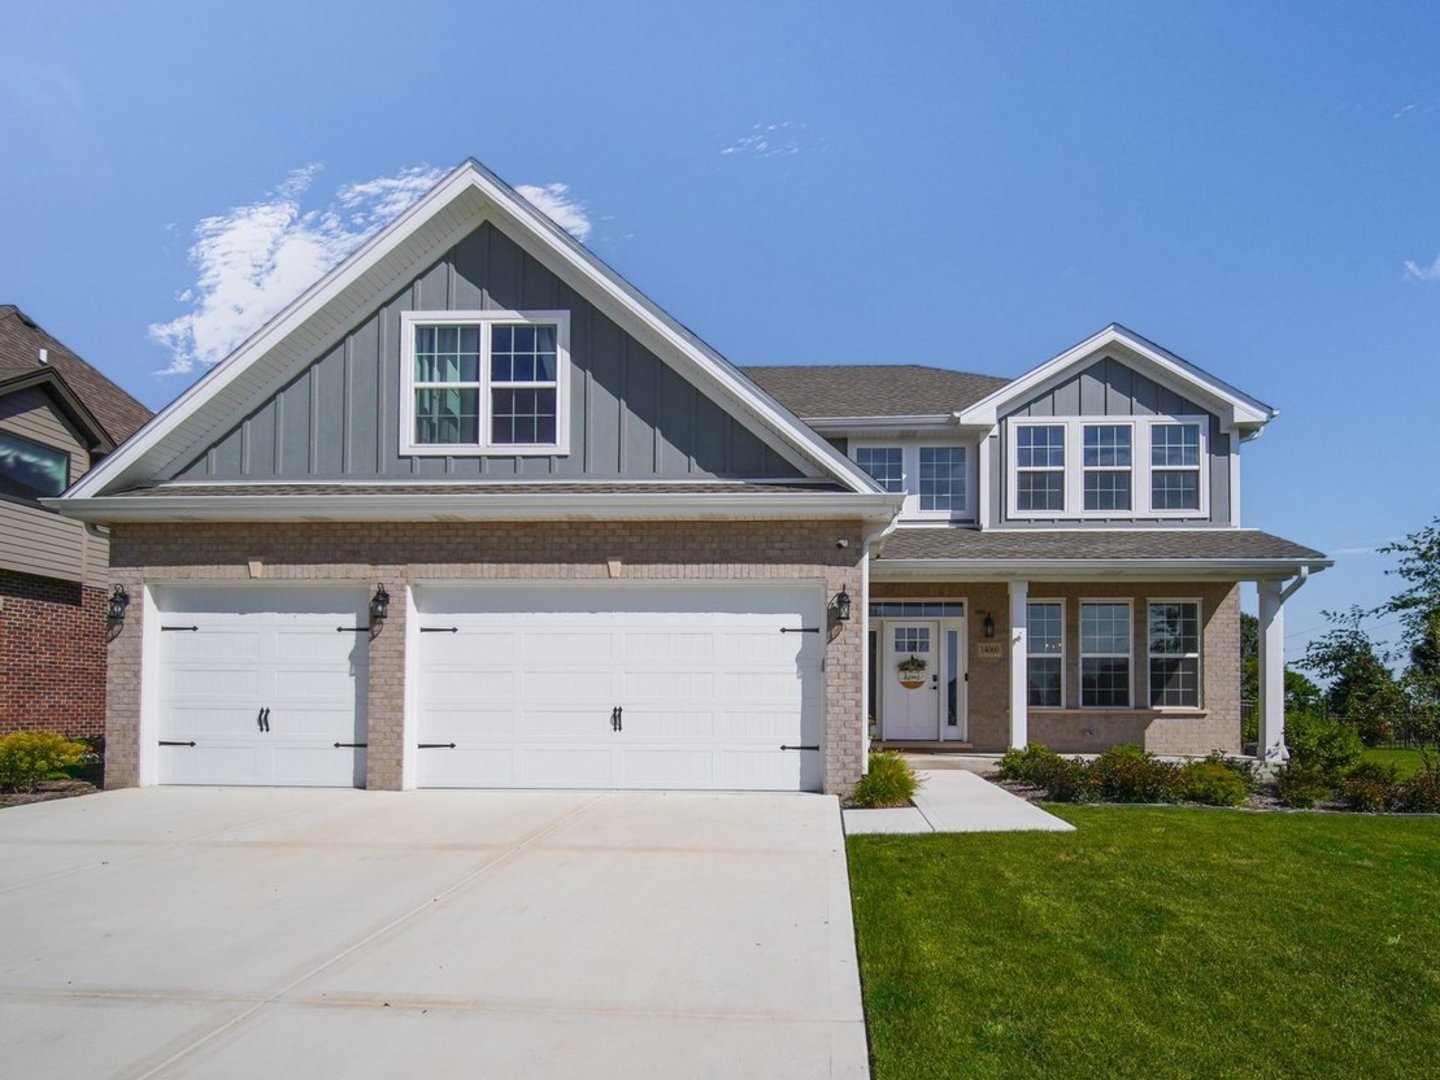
(911, 707)
(620, 685)
(262, 685)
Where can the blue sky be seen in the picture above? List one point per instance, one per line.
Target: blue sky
(971, 185)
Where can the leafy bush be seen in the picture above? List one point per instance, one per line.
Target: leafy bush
(1070, 780)
(1127, 773)
(1032, 765)
(1317, 741)
(1419, 795)
(890, 782)
(27, 757)
(1214, 783)
(1301, 786)
(1369, 787)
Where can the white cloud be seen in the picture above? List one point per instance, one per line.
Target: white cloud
(253, 260)
(556, 202)
(768, 140)
(1423, 273)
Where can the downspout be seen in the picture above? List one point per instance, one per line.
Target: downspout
(866, 544)
(1294, 586)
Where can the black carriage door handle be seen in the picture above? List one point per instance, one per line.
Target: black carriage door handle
(260, 719)
(265, 719)
(619, 718)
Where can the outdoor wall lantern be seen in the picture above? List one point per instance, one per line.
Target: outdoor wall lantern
(119, 601)
(988, 626)
(379, 604)
(842, 606)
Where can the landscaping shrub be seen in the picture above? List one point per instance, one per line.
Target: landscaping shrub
(1128, 774)
(1317, 741)
(1369, 787)
(1070, 780)
(1301, 786)
(1420, 794)
(1033, 765)
(27, 757)
(1214, 783)
(890, 782)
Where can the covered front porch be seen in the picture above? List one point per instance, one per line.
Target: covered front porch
(984, 654)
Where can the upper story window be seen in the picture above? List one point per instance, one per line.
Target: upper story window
(485, 382)
(1082, 467)
(935, 479)
(30, 470)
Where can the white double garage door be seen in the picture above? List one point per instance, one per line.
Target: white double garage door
(621, 685)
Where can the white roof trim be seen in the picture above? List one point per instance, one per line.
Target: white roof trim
(1092, 569)
(499, 506)
(1238, 409)
(557, 243)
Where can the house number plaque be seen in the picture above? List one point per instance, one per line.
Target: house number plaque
(991, 650)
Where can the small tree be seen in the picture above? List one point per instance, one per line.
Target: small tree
(1418, 605)
(1363, 693)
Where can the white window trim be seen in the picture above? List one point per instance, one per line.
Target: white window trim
(410, 321)
(1075, 468)
(1083, 655)
(910, 475)
(1199, 654)
(1031, 654)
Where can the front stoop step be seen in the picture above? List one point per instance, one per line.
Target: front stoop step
(906, 747)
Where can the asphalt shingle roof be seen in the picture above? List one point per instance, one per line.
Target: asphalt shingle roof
(20, 343)
(843, 390)
(1082, 544)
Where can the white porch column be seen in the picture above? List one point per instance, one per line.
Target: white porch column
(1272, 749)
(1019, 646)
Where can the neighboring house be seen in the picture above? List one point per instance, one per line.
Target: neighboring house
(473, 511)
(58, 417)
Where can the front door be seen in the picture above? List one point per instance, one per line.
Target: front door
(912, 680)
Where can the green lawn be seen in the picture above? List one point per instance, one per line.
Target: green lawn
(1406, 762)
(1154, 943)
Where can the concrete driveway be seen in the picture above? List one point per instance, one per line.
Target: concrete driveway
(274, 933)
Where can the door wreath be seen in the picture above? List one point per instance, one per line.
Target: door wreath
(912, 672)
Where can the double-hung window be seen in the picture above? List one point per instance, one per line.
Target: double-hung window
(1105, 654)
(1175, 467)
(485, 382)
(1040, 467)
(935, 479)
(1174, 638)
(1045, 654)
(1107, 464)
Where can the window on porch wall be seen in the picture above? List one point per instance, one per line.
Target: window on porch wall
(1045, 654)
(1105, 654)
(1174, 637)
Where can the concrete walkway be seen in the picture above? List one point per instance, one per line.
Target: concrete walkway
(957, 801)
(184, 932)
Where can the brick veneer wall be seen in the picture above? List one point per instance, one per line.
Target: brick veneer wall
(402, 553)
(1073, 730)
(52, 656)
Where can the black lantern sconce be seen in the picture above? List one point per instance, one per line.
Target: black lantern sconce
(988, 626)
(379, 604)
(115, 608)
(842, 606)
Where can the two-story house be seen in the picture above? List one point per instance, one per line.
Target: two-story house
(58, 417)
(474, 512)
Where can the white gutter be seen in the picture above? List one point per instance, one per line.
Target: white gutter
(1090, 569)
(487, 507)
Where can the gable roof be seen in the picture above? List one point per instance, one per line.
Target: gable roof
(1235, 408)
(466, 197)
(111, 409)
(842, 391)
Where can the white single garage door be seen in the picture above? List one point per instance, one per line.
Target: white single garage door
(262, 684)
(623, 685)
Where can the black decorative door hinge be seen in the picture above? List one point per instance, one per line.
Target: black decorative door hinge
(799, 629)
(799, 748)
(188, 629)
(437, 746)
(172, 742)
(359, 745)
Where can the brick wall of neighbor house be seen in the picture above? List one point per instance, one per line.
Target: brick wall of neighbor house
(1073, 730)
(52, 656)
(400, 553)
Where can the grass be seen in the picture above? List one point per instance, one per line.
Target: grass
(1407, 762)
(1154, 943)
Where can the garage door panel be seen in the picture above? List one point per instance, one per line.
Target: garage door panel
(709, 686)
(322, 766)
(214, 761)
(215, 643)
(201, 682)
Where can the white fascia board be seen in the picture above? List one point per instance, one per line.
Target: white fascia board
(472, 175)
(492, 507)
(1239, 410)
(1093, 569)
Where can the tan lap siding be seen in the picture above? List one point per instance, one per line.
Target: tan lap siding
(400, 554)
(1072, 730)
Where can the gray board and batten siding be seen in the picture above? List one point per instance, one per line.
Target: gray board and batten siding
(632, 416)
(1110, 387)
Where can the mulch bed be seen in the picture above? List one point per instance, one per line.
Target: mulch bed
(47, 790)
